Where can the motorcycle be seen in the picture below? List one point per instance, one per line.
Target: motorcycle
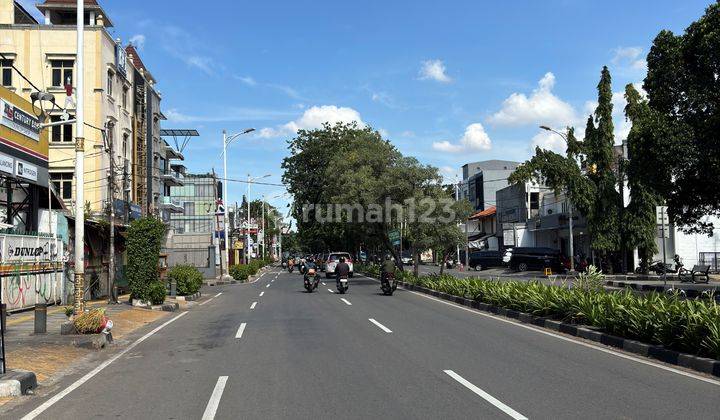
(659, 268)
(311, 280)
(291, 267)
(388, 284)
(302, 268)
(342, 285)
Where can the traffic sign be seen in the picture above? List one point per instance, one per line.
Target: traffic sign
(394, 236)
(661, 215)
(665, 233)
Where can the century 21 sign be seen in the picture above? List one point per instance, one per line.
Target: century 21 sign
(18, 120)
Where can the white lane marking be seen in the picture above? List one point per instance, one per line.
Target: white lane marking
(381, 326)
(487, 397)
(49, 403)
(330, 290)
(219, 294)
(569, 340)
(253, 305)
(240, 330)
(272, 281)
(262, 293)
(214, 402)
(324, 284)
(267, 285)
(346, 301)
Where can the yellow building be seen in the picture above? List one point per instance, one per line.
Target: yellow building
(46, 54)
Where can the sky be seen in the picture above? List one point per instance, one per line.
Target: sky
(448, 82)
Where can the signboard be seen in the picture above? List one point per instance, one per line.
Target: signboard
(121, 59)
(661, 215)
(26, 170)
(394, 236)
(665, 233)
(20, 121)
(7, 164)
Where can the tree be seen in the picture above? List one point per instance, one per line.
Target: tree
(144, 239)
(644, 151)
(586, 173)
(683, 87)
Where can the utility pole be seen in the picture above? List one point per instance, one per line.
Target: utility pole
(225, 204)
(247, 230)
(263, 226)
(79, 286)
(111, 199)
(457, 198)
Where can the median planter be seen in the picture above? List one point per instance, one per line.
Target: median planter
(697, 363)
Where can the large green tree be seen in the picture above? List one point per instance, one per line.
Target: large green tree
(683, 86)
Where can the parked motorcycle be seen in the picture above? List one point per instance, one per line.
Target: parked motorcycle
(342, 285)
(388, 283)
(658, 267)
(311, 280)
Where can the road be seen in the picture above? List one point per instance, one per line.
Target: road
(269, 350)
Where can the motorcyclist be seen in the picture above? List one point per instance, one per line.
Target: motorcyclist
(388, 267)
(342, 270)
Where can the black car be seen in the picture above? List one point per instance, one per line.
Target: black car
(480, 260)
(524, 259)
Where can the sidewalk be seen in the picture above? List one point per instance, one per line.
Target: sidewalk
(50, 355)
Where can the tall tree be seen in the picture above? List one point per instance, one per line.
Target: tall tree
(684, 87)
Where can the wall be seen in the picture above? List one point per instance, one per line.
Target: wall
(689, 246)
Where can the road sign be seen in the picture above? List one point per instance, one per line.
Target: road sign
(394, 236)
(666, 231)
(661, 215)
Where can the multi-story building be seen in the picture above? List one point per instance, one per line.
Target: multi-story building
(45, 53)
(193, 237)
(481, 180)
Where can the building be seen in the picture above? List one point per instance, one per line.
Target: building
(193, 234)
(481, 180)
(46, 54)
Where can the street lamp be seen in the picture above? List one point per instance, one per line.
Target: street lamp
(570, 206)
(279, 248)
(250, 180)
(226, 141)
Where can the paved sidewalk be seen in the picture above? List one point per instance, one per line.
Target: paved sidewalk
(51, 355)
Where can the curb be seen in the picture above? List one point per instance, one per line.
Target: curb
(17, 382)
(689, 361)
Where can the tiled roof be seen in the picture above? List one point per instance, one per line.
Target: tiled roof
(135, 57)
(490, 211)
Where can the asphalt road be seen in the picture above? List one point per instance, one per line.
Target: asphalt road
(290, 354)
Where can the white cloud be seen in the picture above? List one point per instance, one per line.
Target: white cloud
(474, 139)
(408, 133)
(227, 115)
(629, 59)
(449, 174)
(138, 40)
(312, 118)
(384, 133)
(541, 107)
(549, 141)
(622, 125)
(434, 70)
(246, 79)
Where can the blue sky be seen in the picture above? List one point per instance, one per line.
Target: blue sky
(448, 82)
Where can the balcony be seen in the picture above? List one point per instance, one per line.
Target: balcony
(173, 178)
(171, 204)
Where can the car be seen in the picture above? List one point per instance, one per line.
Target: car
(320, 260)
(406, 258)
(333, 259)
(480, 260)
(536, 258)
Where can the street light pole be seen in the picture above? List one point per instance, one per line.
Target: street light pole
(263, 226)
(79, 287)
(570, 207)
(247, 228)
(226, 140)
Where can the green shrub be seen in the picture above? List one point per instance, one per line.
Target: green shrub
(240, 272)
(157, 292)
(688, 325)
(144, 238)
(188, 279)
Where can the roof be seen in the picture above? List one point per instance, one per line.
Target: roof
(71, 5)
(135, 57)
(488, 212)
(179, 132)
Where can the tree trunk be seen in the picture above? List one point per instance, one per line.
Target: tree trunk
(443, 259)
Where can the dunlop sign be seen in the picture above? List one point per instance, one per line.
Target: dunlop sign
(20, 121)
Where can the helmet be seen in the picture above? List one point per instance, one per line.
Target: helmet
(342, 259)
(387, 257)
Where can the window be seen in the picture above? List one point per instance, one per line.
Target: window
(126, 137)
(62, 72)
(6, 72)
(61, 133)
(62, 181)
(124, 97)
(110, 83)
(189, 208)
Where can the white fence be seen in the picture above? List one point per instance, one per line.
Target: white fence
(31, 270)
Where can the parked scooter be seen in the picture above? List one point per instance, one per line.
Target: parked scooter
(388, 283)
(311, 280)
(342, 285)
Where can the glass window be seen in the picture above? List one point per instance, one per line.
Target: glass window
(124, 97)
(61, 133)
(62, 181)
(62, 72)
(6, 72)
(110, 77)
